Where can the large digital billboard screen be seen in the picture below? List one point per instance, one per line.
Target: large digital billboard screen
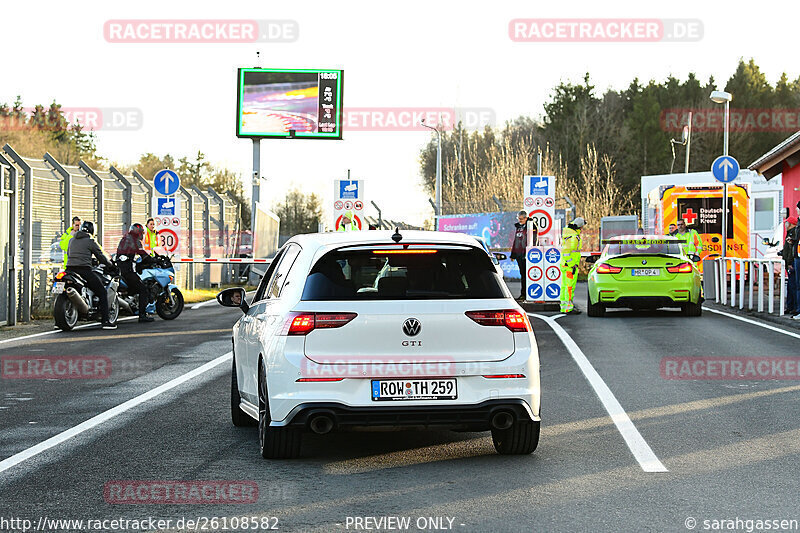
(289, 103)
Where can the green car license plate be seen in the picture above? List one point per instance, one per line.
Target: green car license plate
(646, 272)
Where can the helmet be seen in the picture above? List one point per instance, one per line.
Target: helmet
(137, 230)
(579, 222)
(88, 227)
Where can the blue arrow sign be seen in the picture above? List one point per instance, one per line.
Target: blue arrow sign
(535, 292)
(553, 291)
(166, 182)
(725, 168)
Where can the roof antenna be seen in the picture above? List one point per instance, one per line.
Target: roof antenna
(397, 237)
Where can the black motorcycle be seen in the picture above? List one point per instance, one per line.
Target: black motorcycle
(75, 301)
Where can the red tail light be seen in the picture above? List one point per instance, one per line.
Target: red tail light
(404, 252)
(504, 376)
(513, 320)
(60, 275)
(305, 323)
(605, 268)
(317, 380)
(683, 268)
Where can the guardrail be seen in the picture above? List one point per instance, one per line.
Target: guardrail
(742, 272)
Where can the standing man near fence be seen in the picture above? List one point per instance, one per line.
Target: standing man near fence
(65, 238)
(520, 245)
(788, 253)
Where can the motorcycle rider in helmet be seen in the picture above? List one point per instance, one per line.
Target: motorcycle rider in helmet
(129, 247)
(80, 250)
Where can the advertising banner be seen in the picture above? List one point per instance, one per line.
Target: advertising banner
(496, 230)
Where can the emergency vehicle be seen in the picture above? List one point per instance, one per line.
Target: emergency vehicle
(701, 207)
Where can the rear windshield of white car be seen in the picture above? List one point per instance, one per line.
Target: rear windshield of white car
(423, 273)
(671, 248)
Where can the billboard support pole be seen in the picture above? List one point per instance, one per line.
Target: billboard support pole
(256, 181)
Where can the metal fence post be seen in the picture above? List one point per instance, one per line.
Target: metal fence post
(750, 274)
(771, 303)
(13, 239)
(101, 198)
(27, 230)
(783, 288)
(127, 196)
(733, 282)
(67, 188)
(760, 288)
(190, 218)
(741, 283)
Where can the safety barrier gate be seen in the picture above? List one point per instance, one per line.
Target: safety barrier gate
(730, 272)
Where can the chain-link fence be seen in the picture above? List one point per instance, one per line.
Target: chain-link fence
(39, 197)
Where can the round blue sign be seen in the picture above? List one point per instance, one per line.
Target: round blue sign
(166, 182)
(553, 255)
(725, 168)
(553, 291)
(535, 292)
(534, 255)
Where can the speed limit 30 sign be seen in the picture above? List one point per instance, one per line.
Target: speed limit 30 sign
(543, 220)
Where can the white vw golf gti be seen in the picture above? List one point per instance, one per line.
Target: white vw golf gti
(363, 329)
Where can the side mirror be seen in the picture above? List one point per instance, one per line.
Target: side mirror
(592, 259)
(233, 297)
(694, 257)
(500, 256)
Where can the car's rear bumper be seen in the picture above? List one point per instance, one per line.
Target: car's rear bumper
(476, 417)
(644, 294)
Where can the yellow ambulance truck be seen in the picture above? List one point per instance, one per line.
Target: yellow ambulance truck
(701, 207)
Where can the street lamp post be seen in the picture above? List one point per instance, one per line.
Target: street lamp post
(719, 97)
(438, 207)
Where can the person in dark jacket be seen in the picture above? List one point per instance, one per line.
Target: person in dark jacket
(520, 245)
(82, 247)
(128, 248)
(788, 254)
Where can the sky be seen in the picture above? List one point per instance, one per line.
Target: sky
(414, 54)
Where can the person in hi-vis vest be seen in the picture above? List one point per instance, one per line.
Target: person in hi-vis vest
(571, 245)
(348, 223)
(150, 237)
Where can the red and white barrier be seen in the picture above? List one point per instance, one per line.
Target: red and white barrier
(221, 260)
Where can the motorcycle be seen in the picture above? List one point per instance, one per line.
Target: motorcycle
(158, 275)
(75, 300)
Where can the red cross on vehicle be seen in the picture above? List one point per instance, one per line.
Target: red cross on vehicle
(689, 216)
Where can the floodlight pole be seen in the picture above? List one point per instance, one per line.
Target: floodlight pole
(256, 181)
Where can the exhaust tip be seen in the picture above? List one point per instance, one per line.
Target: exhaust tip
(502, 420)
(321, 424)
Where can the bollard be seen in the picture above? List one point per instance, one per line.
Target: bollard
(750, 266)
(733, 282)
(771, 303)
(741, 283)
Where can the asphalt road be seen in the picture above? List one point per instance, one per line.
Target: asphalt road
(730, 448)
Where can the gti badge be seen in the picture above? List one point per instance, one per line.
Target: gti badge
(412, 327)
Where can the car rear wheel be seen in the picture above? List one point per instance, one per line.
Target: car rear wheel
(521, 438)
(275, 442)
(239, 417)
(597, 309)
(692, 309)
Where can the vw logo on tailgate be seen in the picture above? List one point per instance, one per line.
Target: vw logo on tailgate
(411, 327)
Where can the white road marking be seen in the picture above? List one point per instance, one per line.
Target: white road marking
(203, 304)
(109, 414)
(636, 443)
(743, 319)
(82, 326)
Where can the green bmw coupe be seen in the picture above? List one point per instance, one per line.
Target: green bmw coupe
(644, 272)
